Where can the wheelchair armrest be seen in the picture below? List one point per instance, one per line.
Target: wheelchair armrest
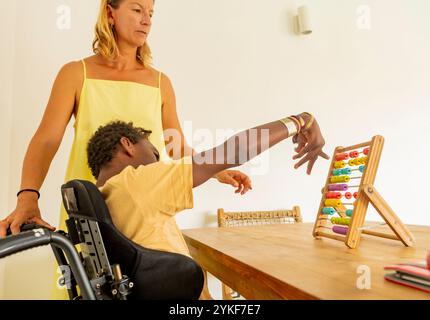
(24, 241)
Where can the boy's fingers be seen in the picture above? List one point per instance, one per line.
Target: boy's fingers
(301, 162)
(307, 158)
(231, 181)
(324, 155)
(245, 190)
(312, 159)
(239, 189)
(303, 152)
(248, 183)
(299, 147)
(310, 165)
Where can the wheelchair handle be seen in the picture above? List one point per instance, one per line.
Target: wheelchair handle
(41, 237)
(24, 241)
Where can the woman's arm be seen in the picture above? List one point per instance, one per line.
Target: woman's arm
(176, 145)
(43, 147)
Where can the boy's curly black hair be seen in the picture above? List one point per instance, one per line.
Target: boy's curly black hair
(104, 143)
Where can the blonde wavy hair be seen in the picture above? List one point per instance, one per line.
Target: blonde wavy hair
(105, 42)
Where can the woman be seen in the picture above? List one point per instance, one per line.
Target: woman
(117, 83)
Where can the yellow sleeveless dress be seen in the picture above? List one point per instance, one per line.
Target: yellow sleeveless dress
(101, 102)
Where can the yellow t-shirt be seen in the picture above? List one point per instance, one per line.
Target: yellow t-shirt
(143, 203)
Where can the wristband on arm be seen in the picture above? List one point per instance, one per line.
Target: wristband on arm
(28, 190)
(296, 124)
(305, 125)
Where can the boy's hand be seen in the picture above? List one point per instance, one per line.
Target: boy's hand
(310, 144)
(235, 178)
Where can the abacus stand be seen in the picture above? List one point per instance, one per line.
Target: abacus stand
(402, 233)
(366, 194)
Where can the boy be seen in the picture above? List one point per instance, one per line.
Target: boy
(143, 194)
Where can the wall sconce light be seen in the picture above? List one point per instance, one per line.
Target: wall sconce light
(303, 21)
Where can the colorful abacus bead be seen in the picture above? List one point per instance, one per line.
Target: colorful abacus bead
(366, 151)
(361, 160)
(336, 179)
(337, 187)
(355, 195)
(337, 172)
(340, 230)
(332, 203)
(346, 171)
(328, 211)
(361, 168)
(342, 156)
(341, 221)
(353, 154)
(348, 195)
(352, 162)
(349, 212)
(339, 164)
(333, 195)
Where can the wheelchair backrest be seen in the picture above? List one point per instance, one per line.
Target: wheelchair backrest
(155, 274)
(86, 208)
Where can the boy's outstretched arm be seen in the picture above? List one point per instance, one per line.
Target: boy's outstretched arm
(246, 145)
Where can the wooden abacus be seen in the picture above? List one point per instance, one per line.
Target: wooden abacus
(338, 177)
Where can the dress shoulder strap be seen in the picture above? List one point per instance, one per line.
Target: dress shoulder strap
(85, 69)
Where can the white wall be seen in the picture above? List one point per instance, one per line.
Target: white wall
(41, 48)
(236, 64)
(7, 34)
(239, 63)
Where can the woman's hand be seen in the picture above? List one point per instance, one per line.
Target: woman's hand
(27, 211)
(310, 144)
(235, 178)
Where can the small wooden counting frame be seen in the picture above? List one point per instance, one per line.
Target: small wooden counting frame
(343, 171)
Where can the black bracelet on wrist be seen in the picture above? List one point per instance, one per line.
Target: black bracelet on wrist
(28, 190)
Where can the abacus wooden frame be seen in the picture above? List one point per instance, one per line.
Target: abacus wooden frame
(366, 193)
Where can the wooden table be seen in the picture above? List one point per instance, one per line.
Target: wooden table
(286, 262)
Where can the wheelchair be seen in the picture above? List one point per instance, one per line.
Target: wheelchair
(108, 265)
